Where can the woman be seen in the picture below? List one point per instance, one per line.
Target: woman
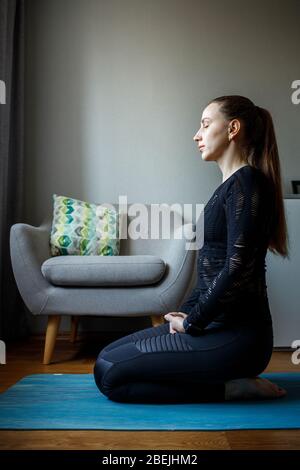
(221, 339)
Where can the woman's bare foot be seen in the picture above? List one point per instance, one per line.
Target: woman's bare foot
(252, 388)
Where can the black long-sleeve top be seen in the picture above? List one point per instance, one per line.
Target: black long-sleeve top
(231, 284)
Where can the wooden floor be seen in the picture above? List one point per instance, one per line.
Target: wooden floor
(24, 358)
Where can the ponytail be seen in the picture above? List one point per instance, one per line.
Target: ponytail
(266, 158)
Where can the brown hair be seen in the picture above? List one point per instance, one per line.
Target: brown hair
(261, 151)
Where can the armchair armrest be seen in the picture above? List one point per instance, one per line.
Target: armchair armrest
(29, 248)
(180, 258)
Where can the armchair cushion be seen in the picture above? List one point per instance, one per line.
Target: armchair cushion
(133, 270)
(83, 228)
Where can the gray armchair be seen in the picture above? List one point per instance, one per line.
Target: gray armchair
(149, 277)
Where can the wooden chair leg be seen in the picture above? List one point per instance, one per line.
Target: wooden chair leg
(51, 333)
(157, 320)
(74, 328)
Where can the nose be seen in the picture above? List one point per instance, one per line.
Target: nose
(196, 136)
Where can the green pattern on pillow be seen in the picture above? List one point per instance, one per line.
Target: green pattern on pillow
(83, 228)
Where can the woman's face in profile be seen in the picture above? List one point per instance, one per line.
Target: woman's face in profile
(212, 137)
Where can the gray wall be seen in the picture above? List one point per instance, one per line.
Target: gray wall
(115, 90)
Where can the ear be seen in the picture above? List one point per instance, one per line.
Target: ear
(233, 128)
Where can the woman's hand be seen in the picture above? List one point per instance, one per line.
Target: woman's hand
(176, 321)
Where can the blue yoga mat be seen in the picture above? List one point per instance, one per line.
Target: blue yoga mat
(72, 401)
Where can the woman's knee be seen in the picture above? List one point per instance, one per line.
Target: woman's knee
(113, 391)
(101, 367)
(114, 366)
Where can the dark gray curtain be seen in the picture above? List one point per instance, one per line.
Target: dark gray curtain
(12, 310)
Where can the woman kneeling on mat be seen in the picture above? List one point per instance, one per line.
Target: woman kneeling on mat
(221, 339)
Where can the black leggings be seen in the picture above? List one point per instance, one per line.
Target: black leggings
(155, 366)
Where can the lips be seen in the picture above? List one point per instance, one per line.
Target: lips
(201, 147)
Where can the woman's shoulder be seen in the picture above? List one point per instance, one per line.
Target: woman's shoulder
(248, 179)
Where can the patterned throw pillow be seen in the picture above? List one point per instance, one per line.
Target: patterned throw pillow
(83, 228)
